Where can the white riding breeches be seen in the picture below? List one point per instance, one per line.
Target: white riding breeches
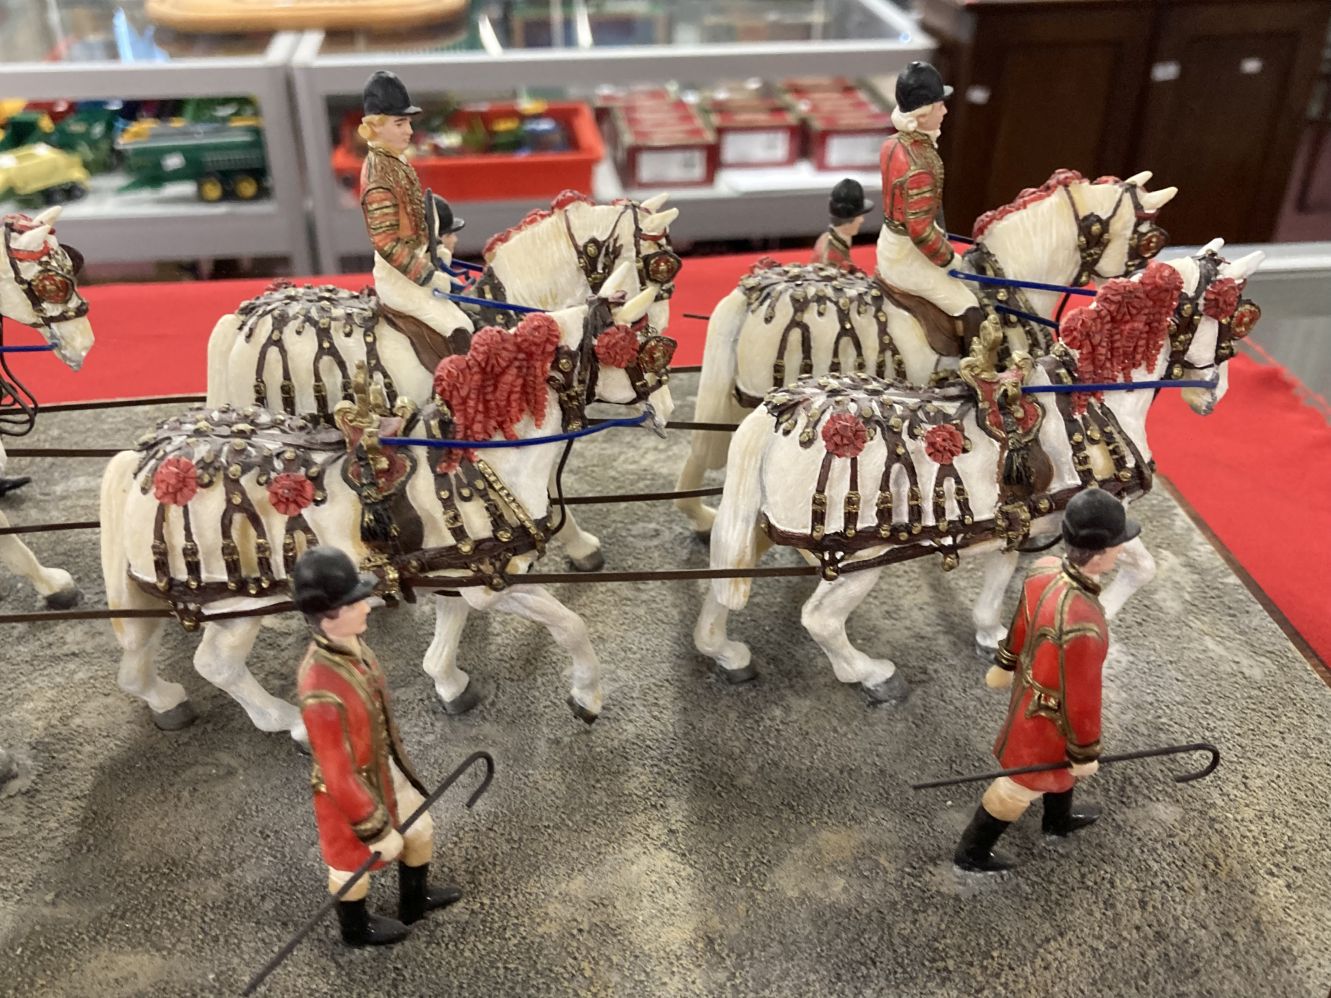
(902, 265)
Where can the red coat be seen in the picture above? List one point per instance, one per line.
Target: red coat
(1061, 638)
(394, 208)
(344, 704)
(913, 193)
(831, 248)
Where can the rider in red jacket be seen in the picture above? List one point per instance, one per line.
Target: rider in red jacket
(1052, 658)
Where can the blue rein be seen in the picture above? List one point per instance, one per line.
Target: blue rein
(554, 438)
(1114, 386)
(27, 349)
(502, 306)
(1006, 282)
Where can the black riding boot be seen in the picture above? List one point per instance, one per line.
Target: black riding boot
(415, 895)
(1060, 819)
(362, 927)
(10, 484)
(975, 850)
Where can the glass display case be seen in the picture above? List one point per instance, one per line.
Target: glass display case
(514, 52)
(161, 145)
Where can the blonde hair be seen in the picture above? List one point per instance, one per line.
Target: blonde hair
(370, 124)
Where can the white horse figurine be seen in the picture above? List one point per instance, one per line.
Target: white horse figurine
(851, 469)
(38, 288)
(785, 322)
(293, 348)
(199, 513)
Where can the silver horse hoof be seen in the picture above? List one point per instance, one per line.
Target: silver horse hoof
(182, 715)
(581, 712)
(464, 701)
(594, 562)
(737, 676)
(64, 599)
(893, 689)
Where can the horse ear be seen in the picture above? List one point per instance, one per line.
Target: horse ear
(1139, 179)
(1155, 200)
(618, 281)
(1214, 246)
(654, 203)
(1245, 266)
(33, 240)
(636, 307)
(658, 222)
(49, 215)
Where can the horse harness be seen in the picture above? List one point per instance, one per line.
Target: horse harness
(1191, 309)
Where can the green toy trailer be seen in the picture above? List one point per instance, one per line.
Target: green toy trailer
(224, 160)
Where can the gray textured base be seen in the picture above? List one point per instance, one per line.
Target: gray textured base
(698, 840)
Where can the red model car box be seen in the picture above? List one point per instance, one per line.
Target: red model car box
(847, 141)
(759, 136)
(679, 154)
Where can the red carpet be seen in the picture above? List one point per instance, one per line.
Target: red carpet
(152, 340)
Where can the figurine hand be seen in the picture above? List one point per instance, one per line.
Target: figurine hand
(388, 845)
(1081, 770)
(998, 678)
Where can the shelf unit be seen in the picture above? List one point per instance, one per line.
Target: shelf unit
(743, 203)
(171, 223)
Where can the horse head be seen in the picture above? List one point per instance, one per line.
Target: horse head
(1212, 314)
(39, 288)
(1070, 230)
(556, 258)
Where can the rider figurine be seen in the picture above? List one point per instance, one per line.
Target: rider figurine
(448, 226)
(394, 207)
(914, 254)
(846, 209)
(362, 780)
(1051, 658)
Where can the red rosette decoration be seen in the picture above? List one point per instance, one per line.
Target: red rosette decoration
(1221, 298)
(175, 481)
(844, 435)
(617, 346)
(943, 443)
(1245, 317)
(290, 493)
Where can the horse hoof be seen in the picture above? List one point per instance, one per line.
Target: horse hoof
(182, 715)
(593, 562)
(581, 712)
(893, 689)
(64, 599)
(984, 653)
(736, 676)
(464, 701)
(8, 485)
(704, 537)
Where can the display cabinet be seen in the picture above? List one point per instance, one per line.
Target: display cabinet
(567, 50)
(95, 50)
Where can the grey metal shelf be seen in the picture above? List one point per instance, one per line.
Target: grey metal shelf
(171, 223)
(795, 204)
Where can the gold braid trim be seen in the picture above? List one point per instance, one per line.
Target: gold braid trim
(1083, 753)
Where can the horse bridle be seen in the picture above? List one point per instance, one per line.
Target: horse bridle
(596, 255)
(1188, 317)
(1145, 241)
(49, 289)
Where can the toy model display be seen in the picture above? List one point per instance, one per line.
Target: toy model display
(223, 160)
(38, 288)
(846, 209)
(39, 173)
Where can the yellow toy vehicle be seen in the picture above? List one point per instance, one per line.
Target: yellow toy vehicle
(40, 173)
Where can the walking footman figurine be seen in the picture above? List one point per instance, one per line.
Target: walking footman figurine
(363, 782)
(1052, 658)
(846, 210)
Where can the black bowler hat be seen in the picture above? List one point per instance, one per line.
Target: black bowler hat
(444, 222)
(1095, 521)
(919, 85)
(326, 578)
(848, 200)
(385, 94)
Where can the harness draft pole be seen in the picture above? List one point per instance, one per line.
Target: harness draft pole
(364, 868)
(1206, 770)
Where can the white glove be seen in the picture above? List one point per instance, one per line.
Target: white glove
(1081, 770)
(388, 845)
(998, 678)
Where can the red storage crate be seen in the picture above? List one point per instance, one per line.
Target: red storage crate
(759, 137)
(668, 155)
(503, 176)
(848, 142)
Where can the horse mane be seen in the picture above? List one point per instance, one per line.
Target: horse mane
(501, 378)
(1124, 328)
(561, 201)
(1058, 180)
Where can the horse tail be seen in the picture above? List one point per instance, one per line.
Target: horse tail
(716, 384)
(220, 343)
(735, 532)
(117, 480)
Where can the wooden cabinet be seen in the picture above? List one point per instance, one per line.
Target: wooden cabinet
(1208, 94)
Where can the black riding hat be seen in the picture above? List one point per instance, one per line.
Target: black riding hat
(385, 94)
(919, 85)
(848, 200)
(1095, 521)
(326, 578)
(443, 216)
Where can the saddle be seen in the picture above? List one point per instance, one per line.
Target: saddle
(947, 335)
(429, 345)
